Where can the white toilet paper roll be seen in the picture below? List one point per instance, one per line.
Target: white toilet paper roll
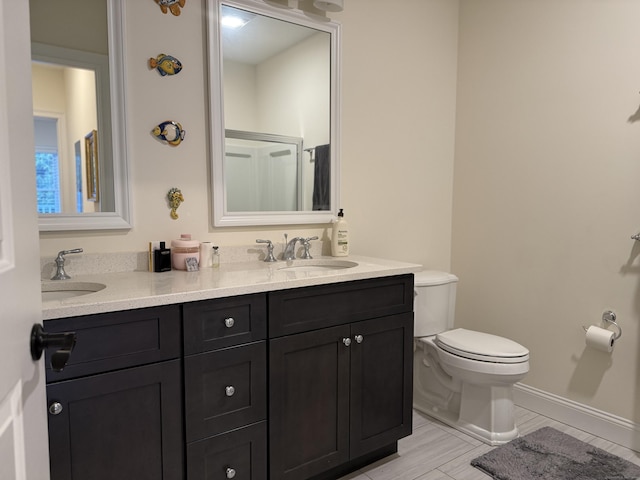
(600, 338)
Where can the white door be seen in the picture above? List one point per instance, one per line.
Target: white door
(23, 421)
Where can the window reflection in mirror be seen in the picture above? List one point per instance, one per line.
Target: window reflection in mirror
(64, 100)
(279, 77)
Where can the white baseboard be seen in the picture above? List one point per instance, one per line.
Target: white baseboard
(597, 422)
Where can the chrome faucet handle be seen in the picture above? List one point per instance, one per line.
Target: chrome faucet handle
(269, 257)
(60, 273)
(306, 243)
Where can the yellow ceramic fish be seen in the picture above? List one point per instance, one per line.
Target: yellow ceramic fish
(171, 5)
(166, 64)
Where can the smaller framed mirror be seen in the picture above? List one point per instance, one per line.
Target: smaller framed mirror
(274, 110)
(78, 83)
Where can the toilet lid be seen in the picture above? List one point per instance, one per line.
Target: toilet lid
(481, 346)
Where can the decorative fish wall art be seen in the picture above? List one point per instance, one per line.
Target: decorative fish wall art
(170, 132)
(172, 6)
(165, 64)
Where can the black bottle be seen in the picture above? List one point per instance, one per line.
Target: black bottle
(162, 259)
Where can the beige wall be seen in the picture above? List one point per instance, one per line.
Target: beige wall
(547, 187)
(398, 109)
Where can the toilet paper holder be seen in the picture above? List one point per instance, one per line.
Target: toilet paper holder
(609, 317)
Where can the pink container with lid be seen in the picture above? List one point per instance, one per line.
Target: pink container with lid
(182, 249)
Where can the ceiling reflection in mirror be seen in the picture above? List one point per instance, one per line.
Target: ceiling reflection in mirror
(278, 73)
(76, 73)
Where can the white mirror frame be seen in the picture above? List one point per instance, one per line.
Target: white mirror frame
(221, 217)
(120, 218)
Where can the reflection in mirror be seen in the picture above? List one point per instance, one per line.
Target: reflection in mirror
(79, 125)
(262, 172)
(278, 74)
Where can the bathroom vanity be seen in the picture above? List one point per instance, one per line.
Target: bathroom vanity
(247, 371)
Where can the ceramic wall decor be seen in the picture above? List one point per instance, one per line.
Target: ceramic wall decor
(175, 199)
(165, 64)
(170, 132)
(172, 6)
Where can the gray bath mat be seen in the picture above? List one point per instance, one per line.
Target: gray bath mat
(552, 455)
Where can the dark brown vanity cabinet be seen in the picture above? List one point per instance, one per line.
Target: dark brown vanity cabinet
(340, 375)
(297, 384)
(225, 370)
(115, 411)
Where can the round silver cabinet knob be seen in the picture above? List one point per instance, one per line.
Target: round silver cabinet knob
(230, 390)
(346, 341)
(230, 472)
(359, 338)
(229, 322)
(55, 408)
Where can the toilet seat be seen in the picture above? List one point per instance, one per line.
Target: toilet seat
(481, 346)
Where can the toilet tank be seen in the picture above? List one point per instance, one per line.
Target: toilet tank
(434, 302)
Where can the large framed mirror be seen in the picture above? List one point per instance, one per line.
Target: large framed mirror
(79, 114)
(273, 73)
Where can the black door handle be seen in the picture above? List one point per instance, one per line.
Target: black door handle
(62, 342)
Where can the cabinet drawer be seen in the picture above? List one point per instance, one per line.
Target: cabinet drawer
(240, 454)
(225, 389)
(224, 322)
(111, 341)
(309, 308)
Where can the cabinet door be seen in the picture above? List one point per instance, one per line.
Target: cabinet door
(120, 425)
(309, 403)
(381, 382)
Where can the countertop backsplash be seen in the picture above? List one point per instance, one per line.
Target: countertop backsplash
(90, 263)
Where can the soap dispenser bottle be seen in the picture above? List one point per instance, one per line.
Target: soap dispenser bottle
(340, 236)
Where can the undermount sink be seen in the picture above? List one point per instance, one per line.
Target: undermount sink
(61, 289)
(318, 265)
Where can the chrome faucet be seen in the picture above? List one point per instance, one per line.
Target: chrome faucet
(60, 273)
(290, 248)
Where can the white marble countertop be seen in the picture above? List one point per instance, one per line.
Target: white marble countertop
(139, 289)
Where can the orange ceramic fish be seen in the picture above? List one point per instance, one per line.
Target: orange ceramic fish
(165, 64)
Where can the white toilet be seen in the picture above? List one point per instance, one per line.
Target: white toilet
(462, 377)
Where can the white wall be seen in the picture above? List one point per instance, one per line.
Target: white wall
(398, 127)
(547, 187)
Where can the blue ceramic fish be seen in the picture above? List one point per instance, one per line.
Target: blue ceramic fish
(166, 64)
(169, 131)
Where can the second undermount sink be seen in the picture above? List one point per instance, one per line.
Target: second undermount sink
(61, 289)
(318, 265)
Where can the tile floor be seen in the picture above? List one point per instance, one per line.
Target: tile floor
(437, 452)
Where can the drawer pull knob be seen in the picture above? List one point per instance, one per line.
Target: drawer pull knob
(229, 322)
(230, 472)
(230, 390)
(346, 341)
(55, 408)
(359, 338)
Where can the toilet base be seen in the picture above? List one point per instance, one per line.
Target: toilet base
(454, 420)
(485, 412)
